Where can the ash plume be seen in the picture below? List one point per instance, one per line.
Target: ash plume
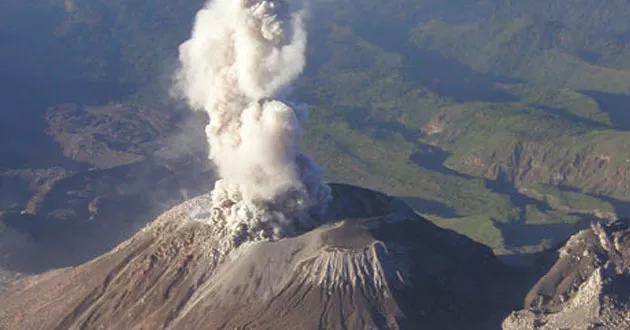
(237, 67)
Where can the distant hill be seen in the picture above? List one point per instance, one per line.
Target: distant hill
(536, 50)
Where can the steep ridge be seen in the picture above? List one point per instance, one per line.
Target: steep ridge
(587, 288)
(375, 264)
(530, 145)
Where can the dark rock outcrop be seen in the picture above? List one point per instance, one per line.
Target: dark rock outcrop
(587, 288)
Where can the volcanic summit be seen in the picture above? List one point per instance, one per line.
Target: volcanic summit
(374, 264)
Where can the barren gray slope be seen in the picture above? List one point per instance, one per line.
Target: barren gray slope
(587, 288)
(374, 265)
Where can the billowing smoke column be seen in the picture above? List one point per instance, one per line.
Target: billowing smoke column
(237, 66)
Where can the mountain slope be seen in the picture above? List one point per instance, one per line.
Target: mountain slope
(525, 145)
(587, 288)
(376, 264)
(535, 49)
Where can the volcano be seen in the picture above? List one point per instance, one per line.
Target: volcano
(373, 264)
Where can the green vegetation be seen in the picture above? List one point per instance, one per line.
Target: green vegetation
(564, 100)
(505, 100)
(533, 49)
(478, 227)
(568, 201)
(373, 100)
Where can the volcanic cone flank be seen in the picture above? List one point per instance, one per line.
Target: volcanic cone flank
(374, 264)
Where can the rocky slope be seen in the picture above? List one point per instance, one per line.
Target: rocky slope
(376, 264)
(528, 145)
(590, 169)
(587, 288)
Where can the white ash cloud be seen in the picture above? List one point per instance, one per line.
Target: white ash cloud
(237, 67)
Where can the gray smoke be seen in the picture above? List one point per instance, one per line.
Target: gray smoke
(237, 67)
